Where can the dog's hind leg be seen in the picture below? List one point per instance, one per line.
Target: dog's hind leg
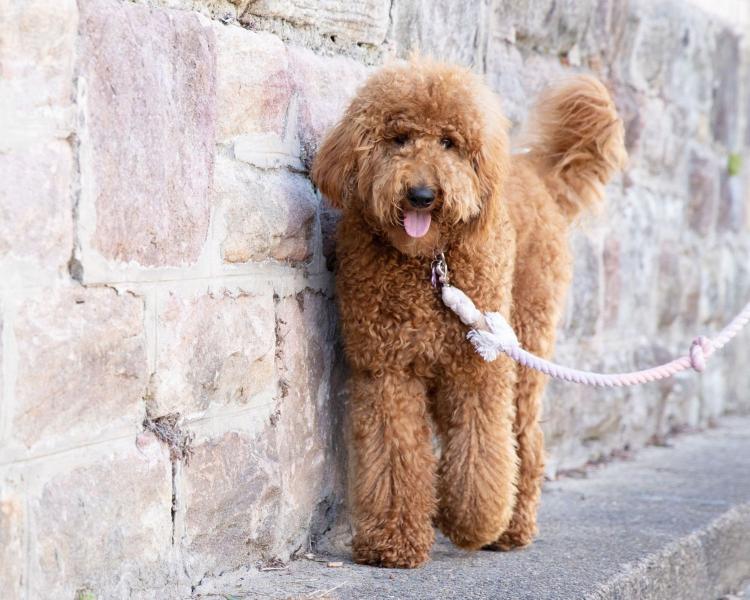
(393, 480)
(478, 467)
(534, 321)
(530, 441)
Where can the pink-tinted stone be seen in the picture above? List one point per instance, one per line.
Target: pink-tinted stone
(505, 76)
(584, 297)
(356, 20)
(688, 288)
(447, 30)
(148, 141)
(105, 527)
(305, 328)
(725, 110)
(630, 106)
(251, 496)
(552, 26)
(213, 349)
(12, 534)
(538, 72)
(733, 208)
(35, 204)
(612, 281)
(232, 494)
(253, 82)
(81, 364)
(658, 150)
(307, 421)
(669, 278)
(703, 193)
(267, 214)
(651, 44)
(324, 85)
(37, 57)
(3, 408)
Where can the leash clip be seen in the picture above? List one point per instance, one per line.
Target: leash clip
(440, 271)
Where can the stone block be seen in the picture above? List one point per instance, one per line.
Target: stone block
(656, 37)
(362, 21)
(546, 26)
(519, 80)
(221, 10)
(213, 349)
(268, 151)
(608, 37)
(36, 210)
(702, 193)
(613, 287)
(105, 527)
(659, 48)
(306, 332)
(630, 106)
(253, 496)
(732, 205)
(505, 74)
(12, 542)
(232, 493)
(308, 418)
(150, 75)
(632, 220)
(451, 31)
(725, 111)
(266, 214)
(324, 86)
(585, 297)
(667, 49)
(253, 83)
(37, 58)
(82, 366)
(657, 148)
(692, 68)
(3, 405)
(678, 286)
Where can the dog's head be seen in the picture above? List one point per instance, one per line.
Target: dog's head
(420, 153)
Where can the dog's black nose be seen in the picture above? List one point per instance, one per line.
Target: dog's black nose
(421, 196)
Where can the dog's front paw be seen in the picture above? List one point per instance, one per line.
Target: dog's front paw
(392, 547)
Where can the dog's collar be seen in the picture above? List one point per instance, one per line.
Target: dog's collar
(440, 275)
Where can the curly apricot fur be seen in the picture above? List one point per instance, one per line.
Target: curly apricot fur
(502, 223)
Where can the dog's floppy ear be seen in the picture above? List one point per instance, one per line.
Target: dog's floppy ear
(335, 166)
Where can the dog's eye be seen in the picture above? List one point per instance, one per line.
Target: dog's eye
(401, 139)
(447, 143)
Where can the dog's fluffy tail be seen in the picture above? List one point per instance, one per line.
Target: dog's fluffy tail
(576, 139)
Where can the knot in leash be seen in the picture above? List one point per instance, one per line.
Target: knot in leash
(440, 270)
(499, 337)
(700, 350)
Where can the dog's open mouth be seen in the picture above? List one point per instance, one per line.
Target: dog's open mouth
(417, 223)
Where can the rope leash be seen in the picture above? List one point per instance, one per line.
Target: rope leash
(491, 335)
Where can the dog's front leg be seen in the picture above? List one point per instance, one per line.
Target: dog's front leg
(478, 465)
(393, 484)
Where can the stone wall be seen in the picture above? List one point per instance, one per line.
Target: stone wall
(163, 253)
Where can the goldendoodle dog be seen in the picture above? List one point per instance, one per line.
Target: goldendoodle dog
(420, 164)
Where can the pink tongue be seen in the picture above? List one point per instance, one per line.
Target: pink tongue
(416, 223)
